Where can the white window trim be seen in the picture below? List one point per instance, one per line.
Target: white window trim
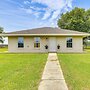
(72, 43)
(35, 42)
(23, 43)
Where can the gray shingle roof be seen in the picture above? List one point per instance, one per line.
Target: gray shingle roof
(46, 30)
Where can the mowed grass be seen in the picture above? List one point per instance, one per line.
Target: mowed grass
(21, 71)
(76, 69)
(5, 49)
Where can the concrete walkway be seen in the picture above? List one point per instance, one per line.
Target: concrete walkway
(52, 78)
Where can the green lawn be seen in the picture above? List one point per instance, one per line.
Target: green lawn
(87, 50)
(3, 49)
(21, 71)
(76, 69)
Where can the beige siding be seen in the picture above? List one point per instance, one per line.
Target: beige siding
(29, 45)
(77, 44)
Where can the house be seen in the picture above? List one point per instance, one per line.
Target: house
(46, 39)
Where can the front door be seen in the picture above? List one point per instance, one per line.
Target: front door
(52, 44)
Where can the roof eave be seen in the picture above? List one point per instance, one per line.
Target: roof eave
(7, 35)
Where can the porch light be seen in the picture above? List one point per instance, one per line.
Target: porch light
(58, 46)
(46, 46)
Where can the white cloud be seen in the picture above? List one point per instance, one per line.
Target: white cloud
(29, 11)
(46, 15)
(54, 6)
(36, 14)
(55, 14)
(26, 2)
(38, 8)
(69, 3)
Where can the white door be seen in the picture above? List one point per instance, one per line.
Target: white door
(52, 44)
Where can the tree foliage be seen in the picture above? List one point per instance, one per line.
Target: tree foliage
(78, 19)
(1, 38)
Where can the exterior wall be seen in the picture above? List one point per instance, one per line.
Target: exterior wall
(77, 45)
(29, 45)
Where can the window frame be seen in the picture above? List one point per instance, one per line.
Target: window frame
(69, 43)
(37, 42)
(22, 44)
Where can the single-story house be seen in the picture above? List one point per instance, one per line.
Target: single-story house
(46, 39)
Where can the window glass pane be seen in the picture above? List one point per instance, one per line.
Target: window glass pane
(37, 42)
(69, 42)
(37, 39)
(20, 42)
(69, 39)
(69, 45)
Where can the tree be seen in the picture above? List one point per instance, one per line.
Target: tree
(1, 38)
(78, 19)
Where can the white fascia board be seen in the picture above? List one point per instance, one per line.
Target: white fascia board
(7, 35)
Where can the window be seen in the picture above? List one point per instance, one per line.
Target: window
(69, 42)
(37, 42)
(20, 42)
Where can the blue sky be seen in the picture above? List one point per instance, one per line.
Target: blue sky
(26, 14)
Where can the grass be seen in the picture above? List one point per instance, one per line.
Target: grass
(87, 50)
(21, 71)
(3, 49)
(76, 69)
(86, 47)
